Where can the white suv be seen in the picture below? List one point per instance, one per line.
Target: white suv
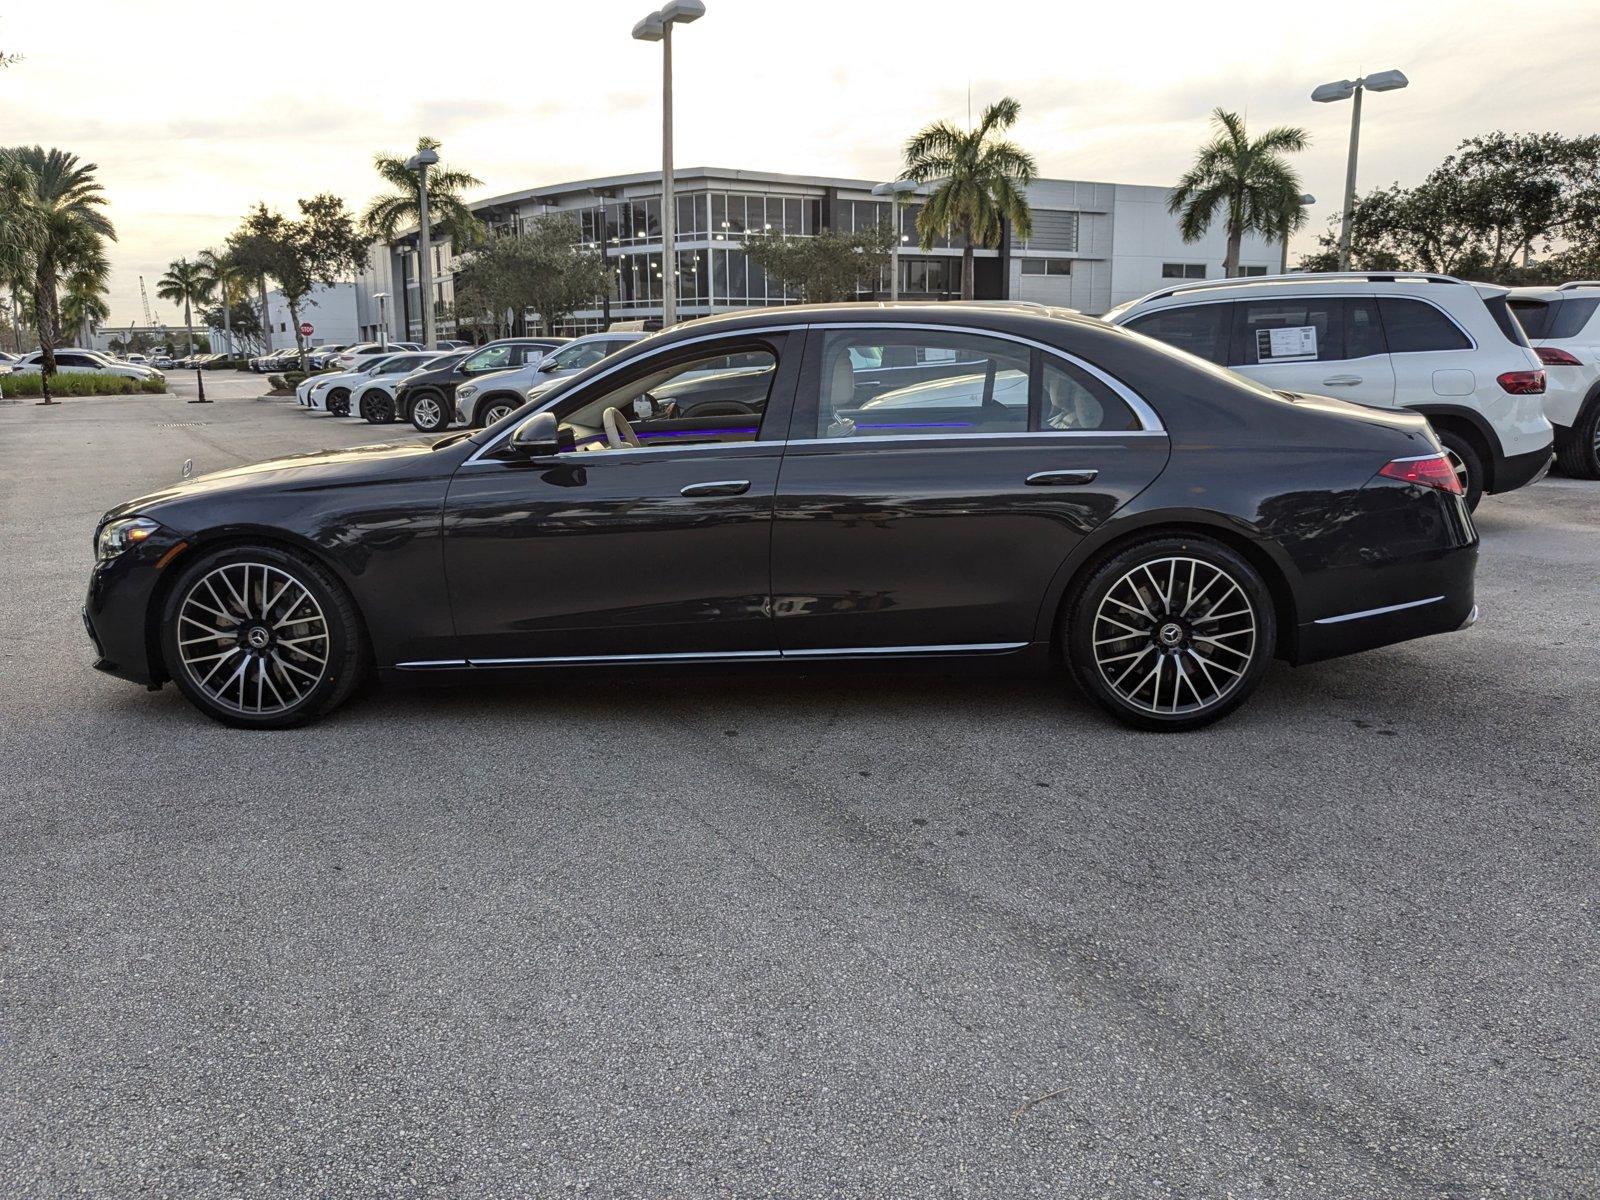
(1447, 349)
(1563, 323)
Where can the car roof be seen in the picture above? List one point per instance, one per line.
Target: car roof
(1298, 281)
(1581, 289)
(1021, 316)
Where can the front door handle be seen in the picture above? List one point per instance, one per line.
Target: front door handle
(1060, 478)
(718, 487)
(1341, 381)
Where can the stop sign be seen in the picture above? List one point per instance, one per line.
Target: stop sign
(305, 329)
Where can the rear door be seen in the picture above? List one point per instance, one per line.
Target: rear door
(934, 482)
(1321, 345)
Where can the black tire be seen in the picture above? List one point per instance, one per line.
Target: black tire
(1187, 638)
(430, 412)
(1469, 466)
(492, 408)
(339, 402)
(295, 595)
(378, 408)
(1578, 448)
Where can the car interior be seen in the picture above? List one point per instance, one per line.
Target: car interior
(704, 401)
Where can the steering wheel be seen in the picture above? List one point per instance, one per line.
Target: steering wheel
(619, 434)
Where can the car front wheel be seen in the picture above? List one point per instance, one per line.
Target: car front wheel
(1171, 633)
(261, 638)
(428, 412)
(339, 402)
(494, 410)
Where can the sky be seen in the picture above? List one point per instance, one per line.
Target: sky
(193, 112)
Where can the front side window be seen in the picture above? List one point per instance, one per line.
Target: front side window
(885, 382)
(712, 398)
(1412, 327)
(490, 358)
(1201, 329)
(1288, 331)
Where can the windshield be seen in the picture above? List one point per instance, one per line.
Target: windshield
(576, 356)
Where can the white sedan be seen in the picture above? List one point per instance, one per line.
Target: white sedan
(374, 399)
(71, 360)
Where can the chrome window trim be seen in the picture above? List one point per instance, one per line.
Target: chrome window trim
(1148, 419)
(712, 656)
(1123, 321)
(1378, 612)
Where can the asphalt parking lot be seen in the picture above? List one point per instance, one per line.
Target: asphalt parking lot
(865, 935)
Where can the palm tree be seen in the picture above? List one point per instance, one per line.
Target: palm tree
(448, 213)
(185, 283)
(1251, 179)
(83, 302)
(64, 200)
(224, 277)
(981, 177)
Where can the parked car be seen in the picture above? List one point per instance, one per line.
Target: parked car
(161, 362)
(331, 391)
(487, 398)
(449, 344)
(71, 360)
(351, 358)
(320, 356)
(376, 403)
(1431, 343)
(1563, 325)
(136, 359)
(1162, 527)
(429, 400)
(375, 394)
(287, 359)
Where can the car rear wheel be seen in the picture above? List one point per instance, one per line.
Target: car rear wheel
(1171, 633)
(428, 412)
(378, 408)
(1465, 462)
(260, 638)
(1578, 449)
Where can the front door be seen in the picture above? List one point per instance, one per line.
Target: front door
(936, 483)
(651, 537)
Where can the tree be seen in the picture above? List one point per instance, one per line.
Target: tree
(1499, 198)
(448, 213)
(225, 279)
(1249, 181)
(318, 249)
(254, 247)
(185, 284)
(59, 201)
(544, 269)
(981, 177)
(828, 267)
(83, 300)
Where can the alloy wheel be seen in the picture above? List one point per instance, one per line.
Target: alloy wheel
(496, 412)
(253, 638)
(426, 412)
(1459, 466)
(1174, 635)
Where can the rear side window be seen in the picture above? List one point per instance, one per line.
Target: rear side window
(1201, 329)
(1411, 327)
(1363, 331)
(1563, 318)
(1288, 330)
(1501, 313)
(1076, 400)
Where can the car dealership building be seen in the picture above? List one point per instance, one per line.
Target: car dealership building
(1093, 245)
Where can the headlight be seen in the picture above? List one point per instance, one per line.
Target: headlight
(116, 536)
(466, 392)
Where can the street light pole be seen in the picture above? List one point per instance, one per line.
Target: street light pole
(420, 162)
(1351, 89)
(895, 190)
(657, 27)
(383, 318)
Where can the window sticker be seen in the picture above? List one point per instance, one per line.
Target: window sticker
(1295, 344)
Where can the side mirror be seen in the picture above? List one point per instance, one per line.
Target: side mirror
(541, 435)
(545, 365)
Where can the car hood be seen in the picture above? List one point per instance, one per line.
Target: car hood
(316, 469)
(512, 375)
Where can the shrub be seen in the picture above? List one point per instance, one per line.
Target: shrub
(227, 364)
(27, 383)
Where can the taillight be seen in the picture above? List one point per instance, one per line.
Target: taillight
(1551, 357)
(1433, 470)
(1523, 383)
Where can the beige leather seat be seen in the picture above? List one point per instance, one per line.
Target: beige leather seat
(841, 394)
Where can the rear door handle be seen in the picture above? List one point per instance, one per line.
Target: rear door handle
(1060, 478)
(1341, 381)
(717, 487)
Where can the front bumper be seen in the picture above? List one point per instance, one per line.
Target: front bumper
(117, 607)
